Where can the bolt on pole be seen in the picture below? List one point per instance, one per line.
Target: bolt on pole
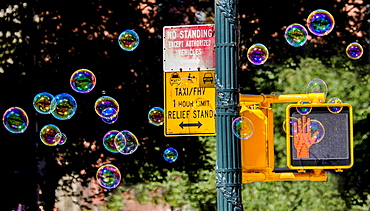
(228, 163)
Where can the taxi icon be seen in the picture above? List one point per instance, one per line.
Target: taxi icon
(175, 79)
(207, 78)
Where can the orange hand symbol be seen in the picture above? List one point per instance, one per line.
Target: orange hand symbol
(303, 139)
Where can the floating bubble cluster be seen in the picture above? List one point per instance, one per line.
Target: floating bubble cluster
(128, 40)
(296, 35)
(108, 141)
(83, 81)
(242, 127)
(317, 130)
(48, 135)
(317, 85)
(354, 50)
(106, 107)
(170, 155)
(108, 176)
(42, 103)
(126, 142)
(320, 22)
(156, 116)
(15, 120)
(337, 108)
(257, 54)
(65, 106)
(304, 110)
(292, 121)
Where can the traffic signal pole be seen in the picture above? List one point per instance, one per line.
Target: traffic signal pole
(228, 163)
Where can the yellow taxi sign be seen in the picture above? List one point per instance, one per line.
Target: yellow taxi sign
(189, 103)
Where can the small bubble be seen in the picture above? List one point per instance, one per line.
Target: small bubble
(126, 142)
(15, 120)
(354, 50)
(65, 106)
(156, 116)
(128, 40)
(304, 110)
(60, 138)
(170, 155)
(317, 85)
(48, 133)
(335, 109)
(242, 127)
(106, 107)
(108, 176)
(257, 54)
(320, 22)
(83, 81)
(42, 103)
(296, 35)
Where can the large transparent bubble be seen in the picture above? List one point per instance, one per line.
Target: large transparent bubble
(354, 50)
(128, 40)
(320, 22)
(126, 142)
(83, 81)
(242, 127)
(317, 85)
(109, 144)
(257, 54)
(156, 116)
(170, 155)
(48, 135)
(106, 107)
(296, 35)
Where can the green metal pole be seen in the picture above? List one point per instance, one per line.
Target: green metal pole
(228, 163)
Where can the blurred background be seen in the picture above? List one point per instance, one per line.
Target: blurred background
(44, 42)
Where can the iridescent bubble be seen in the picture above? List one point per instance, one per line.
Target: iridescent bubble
(291, 122)
(128, 40)
(42, 103)
(296, 35)
(156, 116)
(65, 106)
(126, 142)
(354, 50)
(317, 85)
(48, 133)
(15, 120)
(335, 109)
(317, 130)
(83, 81)
(60, 138)
(106, 107)
(108, 141)
(257, 54)
(110, 120)
(304, 110)
(320, 22)
(170, 155)
(108, 176)
(242, 127)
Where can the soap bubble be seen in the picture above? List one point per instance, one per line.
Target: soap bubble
(156, 116)
(48, 133)
(320, 22)
(296, 35)
(15, 120)
(65, 106)
(257, 54)
(291, 122)
(317, 85)
(317, 130)
(108, 176)
(335, 109)
(128, 40)
(106, 107)
(126, 142)
(108, 141)
(42, 103)
(304, 110)
(354, 50)
(242, 127)
(83, 81)
(110, 120)
(170, 155)
(60, 138)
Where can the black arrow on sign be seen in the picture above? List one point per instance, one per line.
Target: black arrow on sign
(182, 125)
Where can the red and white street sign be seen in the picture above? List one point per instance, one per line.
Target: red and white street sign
(189, 48)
